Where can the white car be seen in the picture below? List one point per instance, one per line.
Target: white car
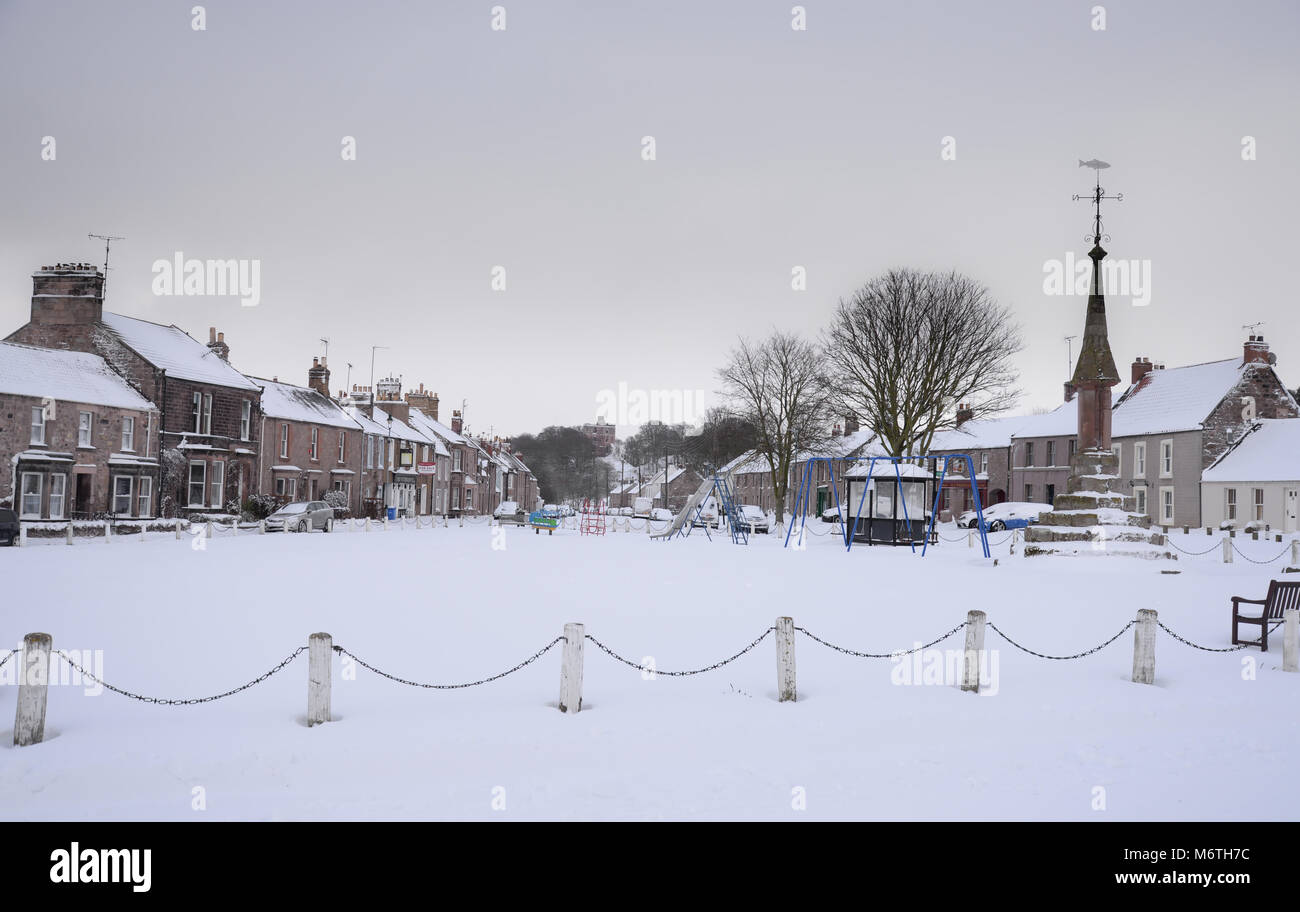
(754, 518)
(659, 514)
(509, 511)
(707, 515)
(1008, 515)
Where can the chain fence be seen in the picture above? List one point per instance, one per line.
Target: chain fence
(879, 655)
(1253, 561)
(1214, 547)
(1188, 642)
(496, 677)
(680, 674)
(162, 701)
(8, 655)
(1077, 655)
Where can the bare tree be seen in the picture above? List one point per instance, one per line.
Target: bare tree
(909, 347)
(779, 388)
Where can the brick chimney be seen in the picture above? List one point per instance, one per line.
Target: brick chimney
(217, 342)
(964, 413)
(835, 431)
(67, 301)
(1141, 367)
(318, 378)
(850, 424)
(1070, 390)
(456, 423)
(424, 400)
(1255, 351)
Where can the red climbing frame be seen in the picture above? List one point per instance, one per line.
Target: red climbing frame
(593, 517)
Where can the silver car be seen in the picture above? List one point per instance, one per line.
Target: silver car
(302, 516)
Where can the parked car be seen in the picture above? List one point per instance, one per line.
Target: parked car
(8, 526)
(641, 507)
(707, 514)
(659, 514)
(509, 511)
(754, 518)
(1007, 515)
(301, 516)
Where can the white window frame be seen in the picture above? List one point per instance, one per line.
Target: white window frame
(284, 440)
(128, 434)
(118, 495)
(1167, 458)
(38, 425)
(343, 437)
(62, 496)
(1230, 503)
(218, 484)
(455, 460)
(1140, 460)
(85, 430)
(245, 420)
(23, 494)
(203, 483)
(197, 400)
(1029, 454)
(1050, 456)
(984, 463)
(144, 497)
(1257, 504)
(1140, 499)
(1118, 450)
(315, 444)
(1167, 504)
(207, 413)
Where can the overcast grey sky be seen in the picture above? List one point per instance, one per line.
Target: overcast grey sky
(775, 148)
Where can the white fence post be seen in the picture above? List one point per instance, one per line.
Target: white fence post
(177, 527)
(1291, 640)
(70, 533)
(571, 669)
(320, 664)
(1295, 553)
(970, 539)
(261, 527)
(1227, 551)
(207, 529)
(1144, 647)
(108, 532)
(33, 687)
(22, 535)
(786, 692)
(970, 675)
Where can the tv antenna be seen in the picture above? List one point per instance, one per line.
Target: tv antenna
(1069, 354)
(1252, 326)
(108, 240)
(327, 347)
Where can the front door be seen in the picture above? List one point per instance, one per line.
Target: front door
(1291, 503)
(83, 495)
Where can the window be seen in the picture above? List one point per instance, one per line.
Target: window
(123, 487)
(1139, 460)
(455, 498)
(1118, 450)
(198, 412)
(148, 432)
(128, 435)
(1140, 499)
(1029, 493)
(1051, 494)
(455, 460)
(1259, 503)
(144, 498)
(31, 505)
(245, 420)
(392, 446)
(58, 485)
(1029, 453)
(1051, 452)
(315, 440)
(342, 445)
(198, 483)
(469, 499)
(38, 425)
(1166, 458)
(1230, 503)
(370, 452)
(984, 463)
(1167, 506)
(1074, 446)
(207, 414)
(284, 441)
(218, 484)
(84, 429)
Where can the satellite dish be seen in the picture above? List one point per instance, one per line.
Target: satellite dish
(1272, 358)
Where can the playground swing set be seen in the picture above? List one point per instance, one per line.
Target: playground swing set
(878, 528)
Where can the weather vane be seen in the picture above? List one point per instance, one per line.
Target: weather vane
(1098, 194)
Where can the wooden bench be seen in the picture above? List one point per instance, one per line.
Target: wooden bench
(1281, 596)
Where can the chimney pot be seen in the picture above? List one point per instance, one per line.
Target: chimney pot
(212, 334)
(1141, 367)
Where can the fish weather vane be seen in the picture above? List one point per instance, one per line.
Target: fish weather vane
(1098, 194)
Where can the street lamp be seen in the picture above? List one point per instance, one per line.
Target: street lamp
(388, 450)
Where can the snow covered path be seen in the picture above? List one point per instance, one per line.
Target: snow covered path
(442, 605)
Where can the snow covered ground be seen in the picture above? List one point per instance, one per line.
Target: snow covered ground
(1051, 739)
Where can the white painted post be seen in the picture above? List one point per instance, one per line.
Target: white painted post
(1144, 647)
(970, 675)
(1295, 553)
(571, 669)
(177, 527)
(70, 532)
(142, 525)
(207, 529)
(22, 535)
(461, 520)
(1014, 534)
(367, 523)
(786, 691)
(320, 664)
(33, 686)
(1291, 640)
(261, 527)
(970, 539)
(1227, 551)
(108, 532)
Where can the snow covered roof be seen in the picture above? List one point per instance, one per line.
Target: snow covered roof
(68, 376)
(885, 469)
(175, 351)
(1269, 451)
(437, 427)
(1062, 421)
(425, 424)
(980, 434)
(401, 430)
(301, 403)
(1174, 399)
(673, 473)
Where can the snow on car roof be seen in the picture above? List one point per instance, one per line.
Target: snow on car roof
(26, 370)
(175, 351)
